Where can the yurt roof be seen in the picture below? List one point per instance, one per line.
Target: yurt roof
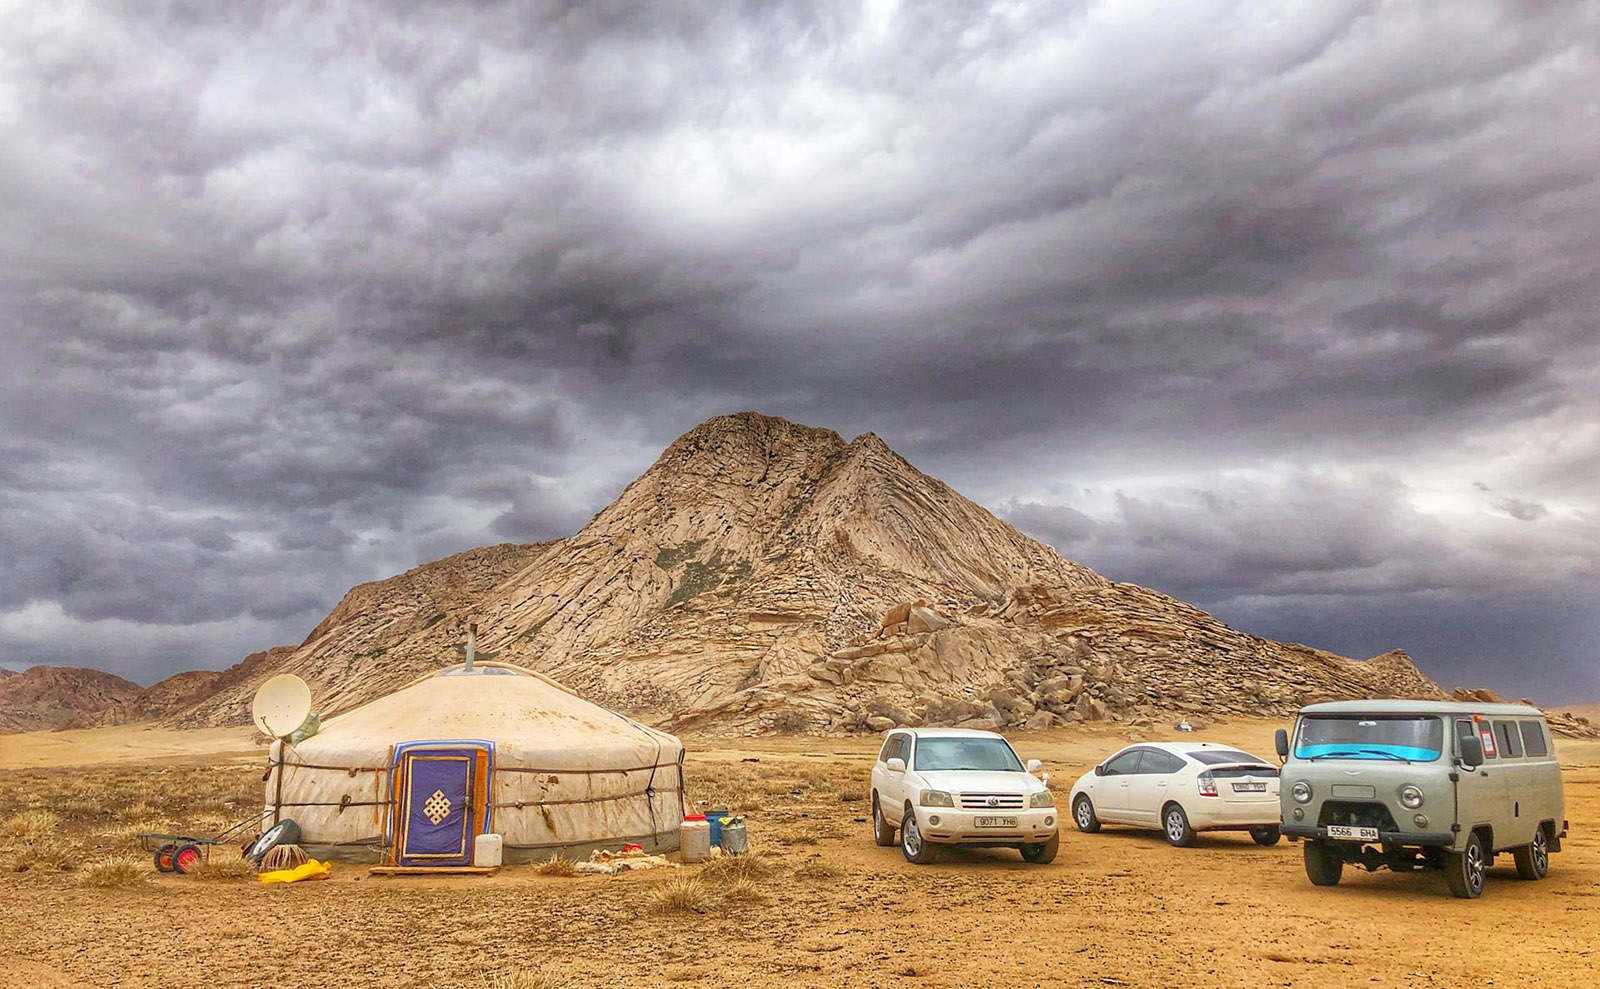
(493, 701)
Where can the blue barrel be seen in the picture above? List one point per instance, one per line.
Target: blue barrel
(714, 817)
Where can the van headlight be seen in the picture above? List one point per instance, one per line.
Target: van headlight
(1044, 798)
(1411, 797)
(1301, 791)
(935, 798)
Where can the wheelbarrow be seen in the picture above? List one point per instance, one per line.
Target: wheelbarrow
(180, 853)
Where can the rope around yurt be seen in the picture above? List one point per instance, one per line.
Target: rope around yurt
(284, 857)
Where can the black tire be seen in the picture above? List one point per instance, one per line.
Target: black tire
(1324, 865)
(285, 832)
(1464, 870)
(1083, 814)
(163, 858)
(1042, 854)
(1175, 825)
(912, 846)
(185, 858)
(1267, 836)
(882, 833)
(1533, 859)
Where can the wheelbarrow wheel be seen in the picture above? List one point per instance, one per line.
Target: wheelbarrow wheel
(163, 858)
(185, 858)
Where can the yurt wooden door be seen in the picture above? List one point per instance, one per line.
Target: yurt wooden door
(441, 799)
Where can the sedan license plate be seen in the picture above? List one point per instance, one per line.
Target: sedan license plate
(1249, 788)
(1352, 834)
(995, 822)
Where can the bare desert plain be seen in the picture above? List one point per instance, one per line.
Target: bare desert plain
(815, 904)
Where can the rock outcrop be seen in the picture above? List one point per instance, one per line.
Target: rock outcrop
(764, 576)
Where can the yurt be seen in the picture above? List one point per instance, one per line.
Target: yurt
(411, 779)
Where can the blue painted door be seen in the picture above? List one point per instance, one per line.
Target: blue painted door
(436, 810)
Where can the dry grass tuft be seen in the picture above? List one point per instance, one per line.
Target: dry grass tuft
(121, 871)
(743, 891)
(729, 869)
(140, 812)
(223, 867)
(556, 866)
(44, 854)
(681, 894)
(29, 825)
(817, 869)
(543, 977)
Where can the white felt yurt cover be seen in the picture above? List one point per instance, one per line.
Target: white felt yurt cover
(563, 775)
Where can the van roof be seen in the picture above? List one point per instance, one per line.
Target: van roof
(1422, 707)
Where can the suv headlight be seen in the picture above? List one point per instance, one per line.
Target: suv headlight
(1411, 797)
(935, 798)
(1301, 792)
(1044, 798)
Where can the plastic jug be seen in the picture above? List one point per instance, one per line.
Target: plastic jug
(487, 850)
(714, 816)
(694, 838)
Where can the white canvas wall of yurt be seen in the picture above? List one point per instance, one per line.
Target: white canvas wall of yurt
(412, 778)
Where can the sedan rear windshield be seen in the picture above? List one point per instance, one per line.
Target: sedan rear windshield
(935, 754)
(1404, 738)
(1216, 757)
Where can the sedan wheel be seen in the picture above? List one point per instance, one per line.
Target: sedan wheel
(1267, 836)
(916, 850)
(1176, 825)
(1083, 815)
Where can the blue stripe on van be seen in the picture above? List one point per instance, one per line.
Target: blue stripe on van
(1411, 752)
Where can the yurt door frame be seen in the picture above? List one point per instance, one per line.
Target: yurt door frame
(440, 801)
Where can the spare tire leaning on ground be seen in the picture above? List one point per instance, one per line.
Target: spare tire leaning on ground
(285, 832)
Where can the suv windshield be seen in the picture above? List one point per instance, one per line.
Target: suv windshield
(935, 754)
(1403, 738)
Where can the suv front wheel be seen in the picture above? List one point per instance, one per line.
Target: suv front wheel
(1464, 870)
(916, 849)
(882, 833)
(1323, 863)
(1042, 854)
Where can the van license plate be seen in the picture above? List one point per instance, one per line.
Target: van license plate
(1249, 788)
(995, 822)
(1352, 834)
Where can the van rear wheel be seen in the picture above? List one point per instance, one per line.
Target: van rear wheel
(1464, 870)
(1533, 859)
(1323, 864)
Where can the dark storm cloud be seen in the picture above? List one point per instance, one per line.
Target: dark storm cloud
(1231, 299)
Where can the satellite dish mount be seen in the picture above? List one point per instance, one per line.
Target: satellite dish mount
(279, 708)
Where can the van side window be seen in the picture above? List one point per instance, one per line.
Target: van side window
(1485, 734)
(1510, 739)
(1533, 739)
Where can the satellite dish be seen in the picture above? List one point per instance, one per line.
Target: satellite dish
(281, 705)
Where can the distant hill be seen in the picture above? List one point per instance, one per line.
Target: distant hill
(766, 576)
(49, 697)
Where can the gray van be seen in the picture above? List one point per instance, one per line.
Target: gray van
(1422, 784)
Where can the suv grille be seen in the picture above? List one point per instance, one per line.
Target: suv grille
(990, 801)
(1357, 814)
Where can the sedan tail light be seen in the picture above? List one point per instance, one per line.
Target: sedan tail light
(1207, 784)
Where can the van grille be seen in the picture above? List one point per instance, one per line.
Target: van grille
(990, 801)
(1357, 814)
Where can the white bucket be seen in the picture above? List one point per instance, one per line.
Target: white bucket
(487, 850)
(694, 841)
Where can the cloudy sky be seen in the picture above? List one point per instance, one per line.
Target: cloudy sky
(1286, 309)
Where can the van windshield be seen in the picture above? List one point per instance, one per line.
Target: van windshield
(1402, 738)
(935, 754)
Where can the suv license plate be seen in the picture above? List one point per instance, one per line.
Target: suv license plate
(1352, 834)
(1249, 788)
(995, 822)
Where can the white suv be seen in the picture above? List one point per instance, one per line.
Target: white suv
(955, 786)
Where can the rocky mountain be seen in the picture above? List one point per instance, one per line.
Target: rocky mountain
(43, 698)
(767, 576)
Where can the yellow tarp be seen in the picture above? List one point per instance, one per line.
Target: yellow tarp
(311, 870)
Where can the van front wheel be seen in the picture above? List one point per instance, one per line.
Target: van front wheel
(1323, 864)
(1464, 870)
(1533, 859)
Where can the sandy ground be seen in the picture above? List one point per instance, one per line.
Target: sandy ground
(123, 745)
(1120, 908)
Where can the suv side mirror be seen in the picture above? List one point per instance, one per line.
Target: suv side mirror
(1471, 751)
(1281, 740)
(896, 765)
(1034, 765)
(1100, 770)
